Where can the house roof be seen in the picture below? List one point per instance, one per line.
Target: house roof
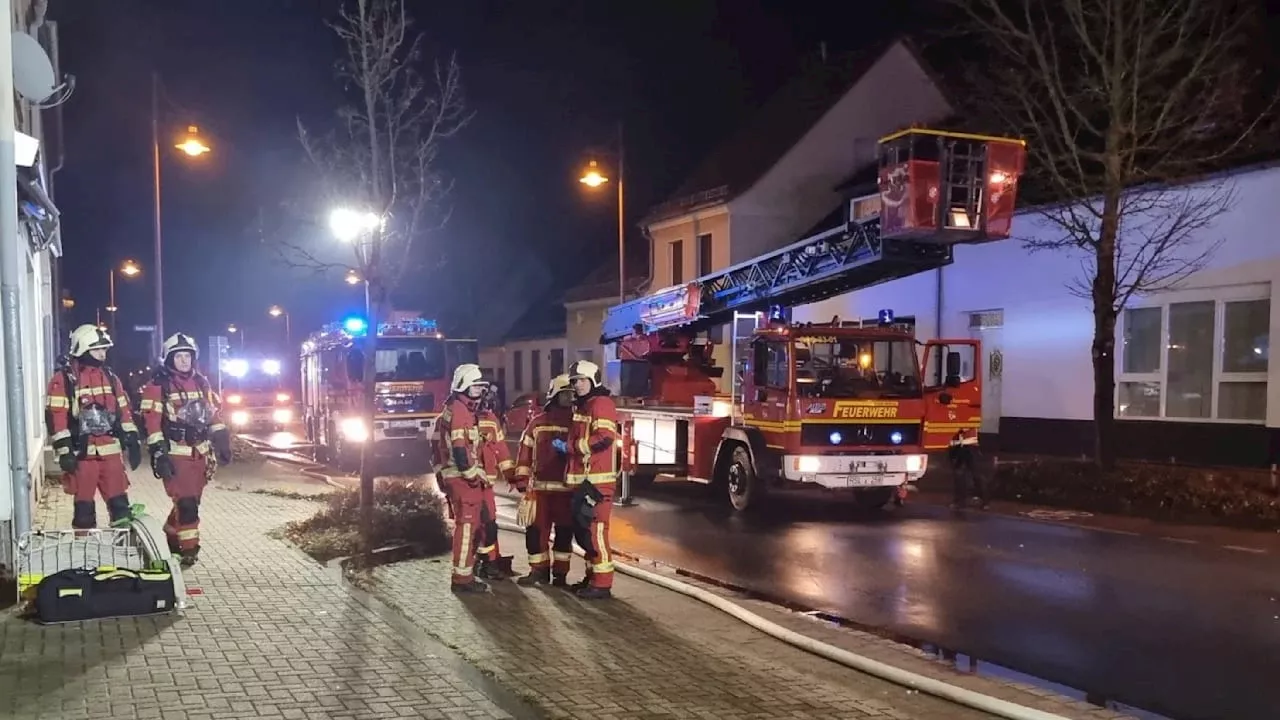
(750, 152)
(543, 318)
(603, 281)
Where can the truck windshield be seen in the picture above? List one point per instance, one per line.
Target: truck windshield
(857, 368)
(409, 359)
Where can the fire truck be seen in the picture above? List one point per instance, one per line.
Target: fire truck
(414, 363)
(850, 406)
(255, 394)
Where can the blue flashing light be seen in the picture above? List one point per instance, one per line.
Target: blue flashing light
(355, 325)
(895, 437)
(835, 438)
(886, 317)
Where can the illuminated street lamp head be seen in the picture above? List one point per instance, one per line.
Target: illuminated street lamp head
(593, 177)
(192, 144)
(111, 308)
(352, 278)
(275, 311)
(232, 328)
(347, 224)
(130, 268)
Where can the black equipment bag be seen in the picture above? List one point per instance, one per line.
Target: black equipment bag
(73, 595)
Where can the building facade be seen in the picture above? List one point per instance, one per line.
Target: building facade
(38, 247)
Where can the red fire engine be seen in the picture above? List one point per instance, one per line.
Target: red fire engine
(413, 362)
(853, 406)
(255, 394)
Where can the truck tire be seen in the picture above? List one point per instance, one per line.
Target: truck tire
(873, 498)
(741, 484)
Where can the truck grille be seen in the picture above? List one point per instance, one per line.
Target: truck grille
(407, 403)
(859, 435)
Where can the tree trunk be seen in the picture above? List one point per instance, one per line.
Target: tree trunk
(1104, 333)
(373, 311)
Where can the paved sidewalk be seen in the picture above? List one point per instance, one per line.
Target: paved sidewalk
(274, 635)
(651, 653)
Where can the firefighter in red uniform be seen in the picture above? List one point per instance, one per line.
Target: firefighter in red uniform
(186, 438)
(540, 472)
(592, 472)
(90, 423)
(458, 467)
(495, 458)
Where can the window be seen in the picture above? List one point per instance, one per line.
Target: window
(677, 262)
(704, 254)
(535, 369)
(771, 365)
(517, 370)
(1202, 359)
(557, 362)
(588, 355)
(861, 368)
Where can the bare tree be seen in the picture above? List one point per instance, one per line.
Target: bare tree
(380, 169)
(1122, 103)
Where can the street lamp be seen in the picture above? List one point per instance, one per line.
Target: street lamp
(192, 146)
(129, 269)
(234, 330)
(277, 311)
(347, 225)
(352, 278)
(593, 178)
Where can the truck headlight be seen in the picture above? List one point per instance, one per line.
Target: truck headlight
(808, 464)
(239, 417)
(916, 463)
(354, 429)
(282, 416)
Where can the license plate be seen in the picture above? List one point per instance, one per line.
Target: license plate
(865, 480)
(404, 423)
(867, 466)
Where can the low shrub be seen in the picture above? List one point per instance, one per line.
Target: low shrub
(243, 452)
(402, 514)
(1240, 498)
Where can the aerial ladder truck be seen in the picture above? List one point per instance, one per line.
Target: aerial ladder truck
(848, 406)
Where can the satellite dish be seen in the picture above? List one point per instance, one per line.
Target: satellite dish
(32, 70)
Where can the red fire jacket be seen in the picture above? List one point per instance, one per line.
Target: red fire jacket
(495, 456)
(593, 435)
(92, 385)
(457, 428)
(537, 462)
(164, 417)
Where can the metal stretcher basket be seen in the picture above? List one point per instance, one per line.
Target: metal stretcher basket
(139, 546)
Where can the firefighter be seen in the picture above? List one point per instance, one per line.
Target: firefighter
(540, 472)
(495, 458)
(90, 423)
(592, 471)
(186, 439)
(457, 447)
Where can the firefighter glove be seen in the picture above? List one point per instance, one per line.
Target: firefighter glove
(162, 466)
(584, 502)
(560, 445)
(67, 462)
(222, 447)
(133, 448)
(461, 460)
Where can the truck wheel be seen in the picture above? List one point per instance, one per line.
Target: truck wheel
(741, 483)
(873, 498)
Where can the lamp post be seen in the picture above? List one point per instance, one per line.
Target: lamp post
(593, 178)
(193, 146)
(352, 278)
(236, 330)
(277, 311)
(129, 269)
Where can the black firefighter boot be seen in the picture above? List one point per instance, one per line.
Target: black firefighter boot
(475, 586)
(594, 593)
(536, 576)
(188, 557)
(498, 569)
(579, 586)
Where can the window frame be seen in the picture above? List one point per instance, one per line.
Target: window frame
(676, 260)
(1220, 296)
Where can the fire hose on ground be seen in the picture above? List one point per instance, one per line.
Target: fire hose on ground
(875, 668)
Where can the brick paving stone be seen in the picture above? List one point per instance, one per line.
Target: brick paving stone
(649, 653)
(275, 635)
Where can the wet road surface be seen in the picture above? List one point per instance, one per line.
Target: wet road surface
(1181, 630)
(1187, 631)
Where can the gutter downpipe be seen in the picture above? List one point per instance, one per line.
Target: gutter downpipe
(15, 395)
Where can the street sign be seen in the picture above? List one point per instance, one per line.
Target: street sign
(144, 328)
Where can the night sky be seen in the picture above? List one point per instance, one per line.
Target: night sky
(547, 81)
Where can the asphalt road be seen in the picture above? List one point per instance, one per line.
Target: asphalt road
(1178, 629)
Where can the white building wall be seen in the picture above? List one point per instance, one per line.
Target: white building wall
(1047, 332)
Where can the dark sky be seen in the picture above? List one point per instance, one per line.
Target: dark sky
(547, 80)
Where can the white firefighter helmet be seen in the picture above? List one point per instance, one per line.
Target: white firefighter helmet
(559, 384)
(585, 369)
(89, 337)
(179, 342)
(466, 376)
